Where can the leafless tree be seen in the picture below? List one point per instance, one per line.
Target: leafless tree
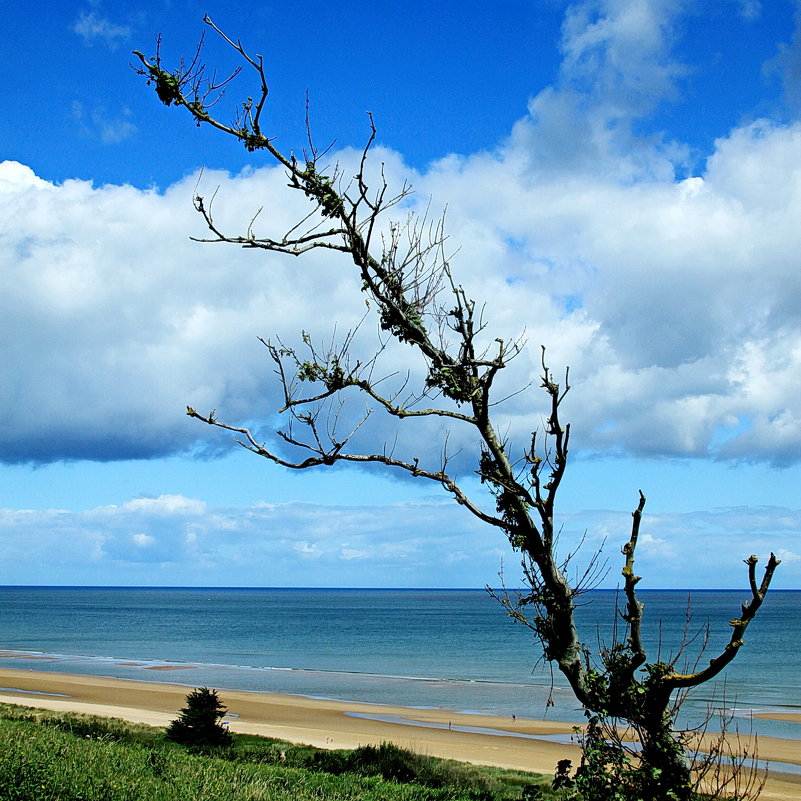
(407, 279)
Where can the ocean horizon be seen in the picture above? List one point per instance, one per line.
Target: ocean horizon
(442, 648)
(294, 588)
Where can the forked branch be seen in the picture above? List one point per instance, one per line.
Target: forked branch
(739, 625)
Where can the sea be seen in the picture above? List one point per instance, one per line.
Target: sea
(450, 649)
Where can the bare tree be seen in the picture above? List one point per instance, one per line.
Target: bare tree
(406, 277)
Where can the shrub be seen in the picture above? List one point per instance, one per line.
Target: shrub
(199, 723)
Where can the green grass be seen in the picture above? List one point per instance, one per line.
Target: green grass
(50, 756)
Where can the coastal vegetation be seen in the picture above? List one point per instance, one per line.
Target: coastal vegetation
(75, 757)
(199, 721)
(454, 392)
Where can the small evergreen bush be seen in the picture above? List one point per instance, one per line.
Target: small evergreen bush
(199, 723)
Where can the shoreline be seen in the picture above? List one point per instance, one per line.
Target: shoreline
(519, 743)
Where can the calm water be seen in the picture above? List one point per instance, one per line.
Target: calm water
(440, 648)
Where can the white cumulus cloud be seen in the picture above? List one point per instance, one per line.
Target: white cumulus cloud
(675, 300)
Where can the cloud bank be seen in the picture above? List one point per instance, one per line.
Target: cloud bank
(675, 300)
(675, 303)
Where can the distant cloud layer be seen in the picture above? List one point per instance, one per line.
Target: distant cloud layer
(172, 540)
(675, 301)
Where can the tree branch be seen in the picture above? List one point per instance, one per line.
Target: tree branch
(331, 456)
(634, 607)
(740, 624)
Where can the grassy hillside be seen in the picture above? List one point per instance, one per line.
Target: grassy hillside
(70, 757)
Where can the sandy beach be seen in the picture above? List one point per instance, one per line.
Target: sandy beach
(795, 717)
(481, 739)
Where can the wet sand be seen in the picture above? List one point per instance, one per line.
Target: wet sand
(795, 717)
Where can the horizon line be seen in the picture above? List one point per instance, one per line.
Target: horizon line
(349, 589)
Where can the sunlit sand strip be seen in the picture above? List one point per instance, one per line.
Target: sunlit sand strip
(795, 717)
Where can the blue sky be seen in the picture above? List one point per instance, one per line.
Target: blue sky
(623, 180)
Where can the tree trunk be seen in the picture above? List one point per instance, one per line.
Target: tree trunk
(664, 767)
